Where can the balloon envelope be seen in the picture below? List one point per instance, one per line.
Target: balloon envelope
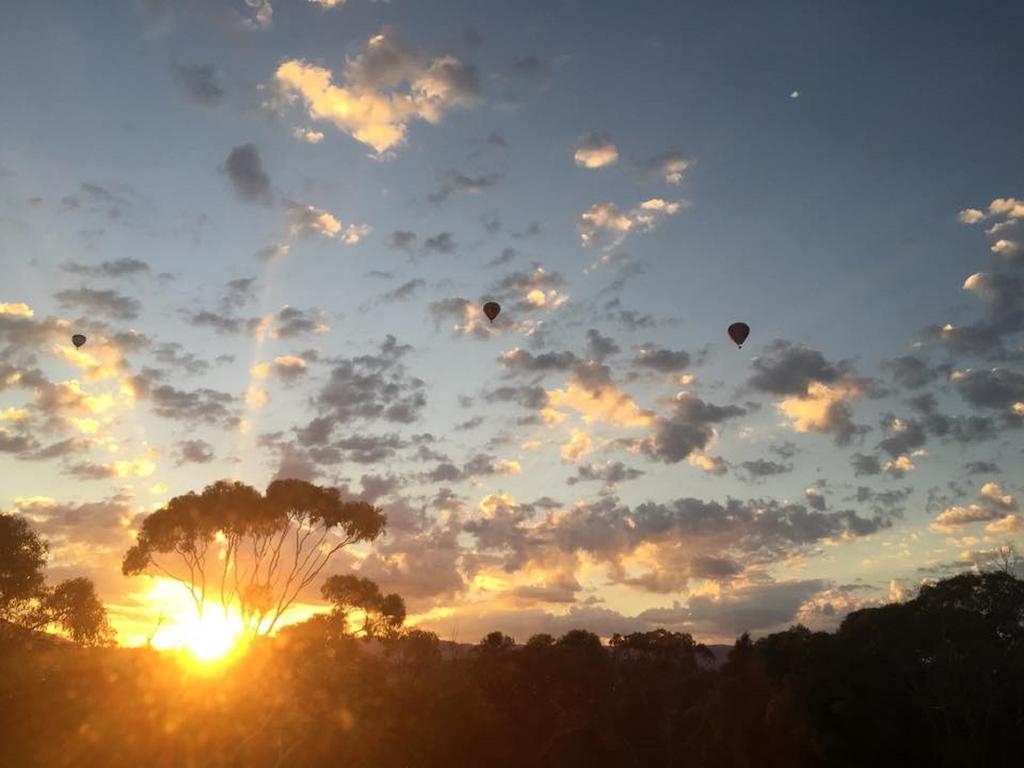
(491, 309)
(738, 332)
(78, 340)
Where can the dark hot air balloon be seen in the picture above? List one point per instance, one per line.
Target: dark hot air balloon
(491, 309)
(78, 340)
(738, 332)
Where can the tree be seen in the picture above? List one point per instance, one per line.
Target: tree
(271, 546)
(383, 615)
(72, 607)
(22, 560)
(1008, 561)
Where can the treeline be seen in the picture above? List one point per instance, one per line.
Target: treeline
(935, 681)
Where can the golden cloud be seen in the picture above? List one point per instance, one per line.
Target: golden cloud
(579, 445)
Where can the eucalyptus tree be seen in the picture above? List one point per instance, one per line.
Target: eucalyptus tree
(234, 546)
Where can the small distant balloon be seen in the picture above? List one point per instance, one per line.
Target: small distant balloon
(491, 309)
(738, 332)
(78, 340)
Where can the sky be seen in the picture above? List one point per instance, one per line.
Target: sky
(276, 221)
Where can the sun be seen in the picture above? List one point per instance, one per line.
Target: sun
(212, 637)
(204, 640)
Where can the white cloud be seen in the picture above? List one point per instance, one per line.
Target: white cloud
(971, 216)
(381, 90)
(308, 220)
(1006, 247)
(596, 152)
(606, 225)
(308, 135)
(579, 445)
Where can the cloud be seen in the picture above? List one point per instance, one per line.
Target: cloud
(591, 392)
(74, 529)
(238, 293)
(600, 347)
(173, 354)
(604, 225)
(245, 170)
(309, 221)
(579, 445)
(16, 309)
(713, 465)
(1004, 296)
(1008, 525)
(819, 391)
(466, 317)
(765, 468)
(687, 430)
(203, 405)
(910, 371)
(982, 468)
(139, 468)
(14, 443)
(521, 361)
(290, 323)
(273, 251)
(956, 517)
(381, 90)
(997, 388)
(199, 83)
(123, 267)
(218, 322)
(668, 166)
(611, 473)
(289, 367)
(825, 409)
(308, 135)
(194, 452)
(661, 360)
(402, 240)
(115, 205)
(405, 290)
(993, 504)
(103, 302)
(479, 465)
(898, 466)
(755, 608)
(789, 369)
(596, 151)
(263, 13)
(373, 387)
(454, 182)
(440, 243)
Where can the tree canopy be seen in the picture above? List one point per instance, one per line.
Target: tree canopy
(72, 608)
(232, 544)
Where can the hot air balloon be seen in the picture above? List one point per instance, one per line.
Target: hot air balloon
(491, 309)
(78, 340)
(738, 332)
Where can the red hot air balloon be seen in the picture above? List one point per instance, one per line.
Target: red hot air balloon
(78, 340)
(491, 309)
(738, 332)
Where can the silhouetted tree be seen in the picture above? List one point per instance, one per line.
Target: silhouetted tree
(22, 560)
(74, 606)
(71, 608)
(383, 615)
(271, 546)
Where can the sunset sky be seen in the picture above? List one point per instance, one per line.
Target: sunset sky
(277, 220)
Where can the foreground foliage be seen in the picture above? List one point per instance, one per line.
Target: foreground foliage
(936, 681)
